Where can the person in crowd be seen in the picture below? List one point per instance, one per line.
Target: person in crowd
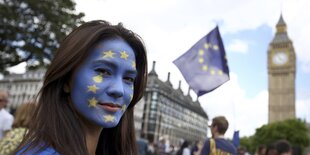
(197, 148)
(283, 147)
(86, 103)
(184, 149)
(261, 150)
(271, 150)
(6, 119)
(218, 144)
(142, 146)
(21, 123)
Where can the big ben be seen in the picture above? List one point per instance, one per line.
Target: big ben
(281, 75)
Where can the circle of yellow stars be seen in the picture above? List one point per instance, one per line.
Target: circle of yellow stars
(201, 59)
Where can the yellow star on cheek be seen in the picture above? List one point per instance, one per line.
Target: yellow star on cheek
(92, 102)
(133, 64)
(124, 107)
(108, 118)
(92, 88)
(98, 78)
(124, 55)
(108, 54)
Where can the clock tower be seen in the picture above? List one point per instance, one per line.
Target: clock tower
(281, 75)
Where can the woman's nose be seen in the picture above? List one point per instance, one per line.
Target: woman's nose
(116, 89)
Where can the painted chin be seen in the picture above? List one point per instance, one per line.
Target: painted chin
(109, 107)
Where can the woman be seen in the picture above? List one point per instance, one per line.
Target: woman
(21, 122)
(86, 102)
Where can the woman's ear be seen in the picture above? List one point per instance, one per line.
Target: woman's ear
(66, 88)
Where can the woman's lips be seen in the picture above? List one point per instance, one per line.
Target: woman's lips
(110, 107)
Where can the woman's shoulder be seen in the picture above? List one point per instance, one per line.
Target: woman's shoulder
(38, 151)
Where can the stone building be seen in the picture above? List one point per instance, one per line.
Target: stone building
(171, 114)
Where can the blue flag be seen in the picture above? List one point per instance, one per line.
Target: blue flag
(204, 66)
(236, 139)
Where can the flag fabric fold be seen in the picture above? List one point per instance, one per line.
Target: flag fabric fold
(204, 66)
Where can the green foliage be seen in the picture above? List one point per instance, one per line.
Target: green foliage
(247, 142)
(31, 30)
(293, 130)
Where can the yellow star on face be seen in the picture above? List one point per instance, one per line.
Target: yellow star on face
(206, 45)
(92, 88)
(92, 102)
(98, 78)
(133, 64)
(215, 47)
(220, 72)
(124, 55)
(212, 72)
(108, 54)
(200, 60)
(124, 108)
(108, 118)
(205, 67)
(200, 52)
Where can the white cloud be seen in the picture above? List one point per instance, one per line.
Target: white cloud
(20, 68)
(243, 114)
(238, 46)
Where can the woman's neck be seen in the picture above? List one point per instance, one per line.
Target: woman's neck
(92, 134)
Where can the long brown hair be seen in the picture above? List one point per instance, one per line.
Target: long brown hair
(56, 124)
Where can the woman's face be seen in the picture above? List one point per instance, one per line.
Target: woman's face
(102, 87)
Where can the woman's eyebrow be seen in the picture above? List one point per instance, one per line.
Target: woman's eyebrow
(106, 62)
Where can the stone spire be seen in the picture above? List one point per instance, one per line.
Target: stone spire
(281, 34)
(153, 72)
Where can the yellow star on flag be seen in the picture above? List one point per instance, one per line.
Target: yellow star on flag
(98, 78)
(92, 88)
(220, 72)
(215, 47)
(108, 54)
(133, 64)
(200, 60)
(92, 102)
(124, 108)
(108, 118)
(206, 45)
(205, 67)
(124, 55)
(131, 96)
(212, 72)
(200, 52)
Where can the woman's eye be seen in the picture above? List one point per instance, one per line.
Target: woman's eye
(129, 79)
(103, 71)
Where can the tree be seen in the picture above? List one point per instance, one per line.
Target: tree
(293, 130)
(31, 30)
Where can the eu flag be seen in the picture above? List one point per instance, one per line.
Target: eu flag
(236, 139)
(204, 66)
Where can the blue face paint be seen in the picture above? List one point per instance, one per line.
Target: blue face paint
(102, 87)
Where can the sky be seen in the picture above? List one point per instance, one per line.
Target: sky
(170, 27)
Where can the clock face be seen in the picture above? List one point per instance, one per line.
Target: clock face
(280, 58)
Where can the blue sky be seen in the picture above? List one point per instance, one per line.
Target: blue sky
(170, 27)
